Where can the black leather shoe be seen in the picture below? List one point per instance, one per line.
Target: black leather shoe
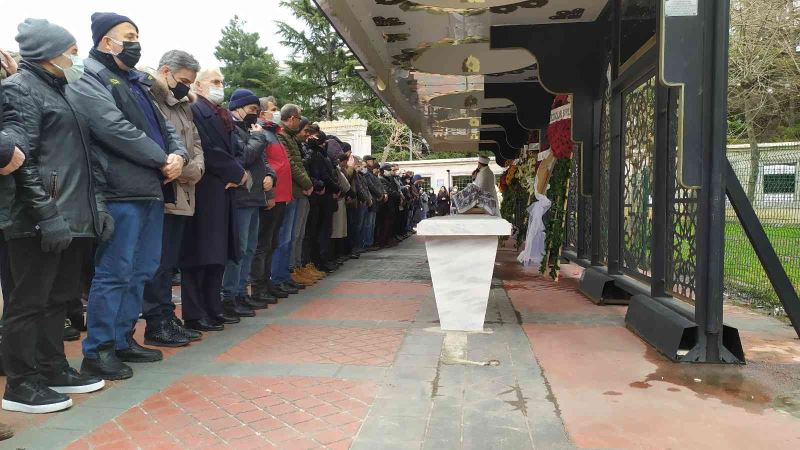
(295, 285)
(288, 289)
(277, 292)
(192, 335)
(33, 397)
(77, 319)
(107, 365)
(135, 353)
(234, 308)
(203, 325)
(266, 298)
(163, 334)
(225, 319)
(254, 303)
(70, 333)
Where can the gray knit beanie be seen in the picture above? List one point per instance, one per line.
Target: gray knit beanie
(40, 40)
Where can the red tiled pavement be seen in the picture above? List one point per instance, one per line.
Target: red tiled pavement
(400, 289)
(358, 309)
(615, 392)
(318, 344)
(241, 413)
(541, 295)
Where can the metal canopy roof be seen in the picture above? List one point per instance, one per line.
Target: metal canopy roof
(429, 60)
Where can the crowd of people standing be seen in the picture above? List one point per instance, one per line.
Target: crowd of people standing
(115, 179)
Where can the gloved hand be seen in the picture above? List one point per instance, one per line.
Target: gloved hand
(56, 235)
(106, 226)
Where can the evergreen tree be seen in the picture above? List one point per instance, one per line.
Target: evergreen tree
(246, 64)
(322, 68)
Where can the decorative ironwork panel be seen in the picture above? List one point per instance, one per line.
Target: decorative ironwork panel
(571, 241)
(639, 122)
(604, 168)
(682, 225)
(585, 216)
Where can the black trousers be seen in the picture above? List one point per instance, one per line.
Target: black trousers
(327, 209)
(6, 281)
(268, 229)
(312, 231)
(385, 223)
(157, 302)
(201, 288)
(33, 333)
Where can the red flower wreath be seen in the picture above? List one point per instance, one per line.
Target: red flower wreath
(559, 132)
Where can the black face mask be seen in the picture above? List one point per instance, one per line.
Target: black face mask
(250, 119)
(130, 54)
(180, 90)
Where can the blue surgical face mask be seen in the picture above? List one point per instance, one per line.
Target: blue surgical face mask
(75, 71)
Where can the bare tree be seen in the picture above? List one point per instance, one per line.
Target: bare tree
(764, 70)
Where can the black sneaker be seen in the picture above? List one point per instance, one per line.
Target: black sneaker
(71, 382)
(107, 365)
(288, 289)
(190, 334)
(70, 333)
(135, 353)
(33, 397)
(254, 303)
(163, 334)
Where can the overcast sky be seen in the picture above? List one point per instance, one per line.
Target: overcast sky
(163, 25)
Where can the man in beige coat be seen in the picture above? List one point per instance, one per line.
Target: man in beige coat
(177, 71)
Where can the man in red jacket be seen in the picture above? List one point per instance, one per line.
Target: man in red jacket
(272, 216)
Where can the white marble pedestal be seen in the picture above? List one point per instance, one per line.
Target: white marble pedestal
(461, 254)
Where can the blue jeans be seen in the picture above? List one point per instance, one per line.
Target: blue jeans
(234, 283)
(368, 230)
(122, 267)
(280, 258)
(355, 222)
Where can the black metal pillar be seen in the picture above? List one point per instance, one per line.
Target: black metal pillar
(711, 219)
(596, 200)
(661, 167)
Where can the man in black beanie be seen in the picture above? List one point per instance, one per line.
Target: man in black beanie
(56, 215)
(140, 155)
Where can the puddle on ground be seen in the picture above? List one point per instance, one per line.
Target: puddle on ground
(788, 403)
(728, 384)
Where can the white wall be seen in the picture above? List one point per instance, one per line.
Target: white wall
(353, 131)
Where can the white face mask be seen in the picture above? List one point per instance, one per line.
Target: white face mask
(216, 94)
(75, 71)
(276, 117)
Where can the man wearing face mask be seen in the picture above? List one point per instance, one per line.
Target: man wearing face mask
(141, 155)
(177, 71)
(56, 215)
(249, 141)
(211, 237)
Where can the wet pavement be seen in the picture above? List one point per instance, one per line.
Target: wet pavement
(357, 361)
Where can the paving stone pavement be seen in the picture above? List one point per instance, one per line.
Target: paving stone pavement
(356, 361)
